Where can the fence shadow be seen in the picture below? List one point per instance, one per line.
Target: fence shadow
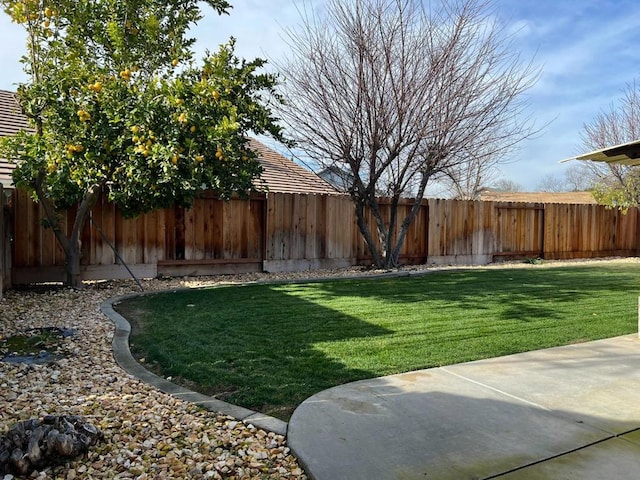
(522, 293)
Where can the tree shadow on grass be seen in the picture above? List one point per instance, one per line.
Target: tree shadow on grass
(522, 294)
(231, 343)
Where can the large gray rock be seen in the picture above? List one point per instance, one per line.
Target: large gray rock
(35, 444)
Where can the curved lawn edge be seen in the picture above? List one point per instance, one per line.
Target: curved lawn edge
(126, 361)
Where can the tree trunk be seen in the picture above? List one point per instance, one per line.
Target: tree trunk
(406, 223)
(380, 251)
(72, 244)
(365, 231)
(73, 277)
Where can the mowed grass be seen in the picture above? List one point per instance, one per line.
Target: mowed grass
(269, 346)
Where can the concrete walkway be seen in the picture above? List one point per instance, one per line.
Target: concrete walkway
(562, 413)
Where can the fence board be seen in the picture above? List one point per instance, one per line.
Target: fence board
(520, 228)
(213, 244)
(3, 244)
(230, 237)
(107, 225)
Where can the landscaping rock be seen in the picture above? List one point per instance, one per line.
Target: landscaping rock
(147, 434)
(33, 444)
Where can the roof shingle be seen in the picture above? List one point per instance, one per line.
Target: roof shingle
(280, 174)
(11, 118)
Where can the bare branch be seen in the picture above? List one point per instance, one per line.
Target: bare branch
(619, 124)
(396, 92)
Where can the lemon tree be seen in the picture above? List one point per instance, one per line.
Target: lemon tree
(119, 106)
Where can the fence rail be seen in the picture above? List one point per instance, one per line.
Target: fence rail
(288, 232)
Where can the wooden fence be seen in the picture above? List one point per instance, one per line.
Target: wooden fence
(4, 246)
(288, 232)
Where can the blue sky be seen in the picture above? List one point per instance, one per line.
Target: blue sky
(587, 50)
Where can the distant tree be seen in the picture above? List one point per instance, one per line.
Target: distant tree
(576, 178)
(506, 185)
(399, 93)
(552, 183)
(465, 180)
(614, 185)
(118, 106)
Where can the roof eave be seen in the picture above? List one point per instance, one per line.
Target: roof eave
(622, 154)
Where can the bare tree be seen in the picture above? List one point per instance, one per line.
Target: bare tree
(398, 92)
(576, 178)
(614, 184)
(552, 183)
(466, 179)
(506, 185)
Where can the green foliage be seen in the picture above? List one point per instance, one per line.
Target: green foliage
(269, 347)
(118, 105)
(622, 194)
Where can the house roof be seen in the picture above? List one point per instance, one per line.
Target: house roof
(624, 154)
(280, 174)
(11, 121)
(338, 178)
(538, 197)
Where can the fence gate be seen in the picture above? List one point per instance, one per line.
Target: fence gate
(520, 231)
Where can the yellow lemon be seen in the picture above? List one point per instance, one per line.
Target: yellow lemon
(83, 115)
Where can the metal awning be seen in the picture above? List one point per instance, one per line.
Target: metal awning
(624, 154)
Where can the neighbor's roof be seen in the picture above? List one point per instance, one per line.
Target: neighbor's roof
(5, 173)
(538, 197)
(11, 121)
(624, 154)
(280, 174)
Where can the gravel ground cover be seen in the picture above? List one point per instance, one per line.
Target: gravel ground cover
(148, 434)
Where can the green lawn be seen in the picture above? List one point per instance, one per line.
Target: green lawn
(269, 346)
